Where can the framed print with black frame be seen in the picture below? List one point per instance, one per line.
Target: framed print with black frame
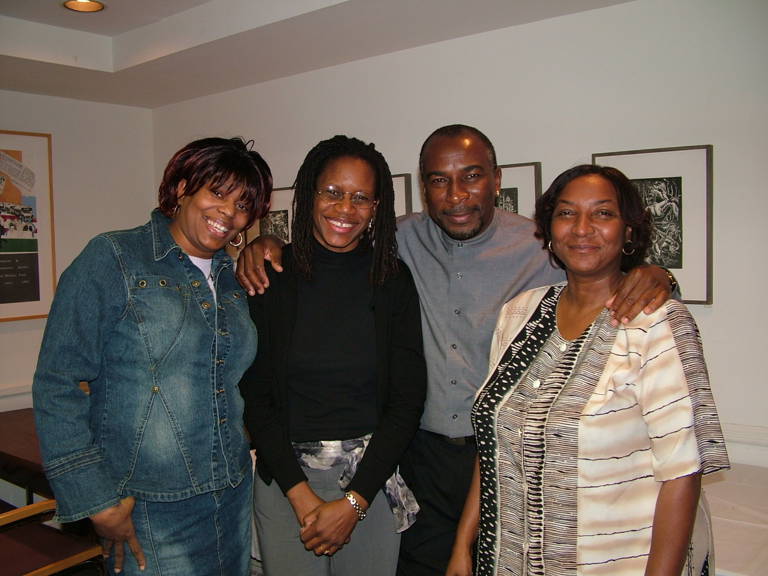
(403, 195)
(676, 185)
(279, 220)
(520, 186)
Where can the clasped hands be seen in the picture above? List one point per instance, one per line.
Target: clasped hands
(325, 526)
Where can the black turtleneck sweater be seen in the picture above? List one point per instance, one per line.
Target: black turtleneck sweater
(332, 358)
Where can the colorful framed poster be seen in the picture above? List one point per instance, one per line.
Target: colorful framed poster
(27, 247)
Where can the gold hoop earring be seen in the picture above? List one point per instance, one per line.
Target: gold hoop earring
(239, 242)
(627, 252)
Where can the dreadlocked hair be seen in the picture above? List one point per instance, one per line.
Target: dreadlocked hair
(381, 235)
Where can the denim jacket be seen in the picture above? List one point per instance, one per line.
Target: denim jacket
(136, 319)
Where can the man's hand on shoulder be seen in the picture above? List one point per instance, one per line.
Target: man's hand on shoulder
(645, 288)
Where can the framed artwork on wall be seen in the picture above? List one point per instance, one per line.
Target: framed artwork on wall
(676, 185)
(520, 186)
(27, 247)
(280, 217)
(403, 198)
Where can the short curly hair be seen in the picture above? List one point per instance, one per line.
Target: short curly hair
(222, 164)
(631, 207)
(452, 131)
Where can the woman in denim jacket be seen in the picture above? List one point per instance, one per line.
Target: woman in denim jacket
(153, 320)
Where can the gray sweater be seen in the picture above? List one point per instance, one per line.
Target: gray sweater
(462, 286)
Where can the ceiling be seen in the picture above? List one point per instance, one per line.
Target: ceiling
(118, 17)
(153, 53)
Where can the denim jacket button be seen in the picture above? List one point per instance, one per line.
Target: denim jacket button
(163, 283)
(223, 421)
(155, 388)
(142, 283)
(236, 294)
(219, 361)
(195, 283)
(205, 305)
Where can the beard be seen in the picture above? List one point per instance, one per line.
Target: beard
(461, 234)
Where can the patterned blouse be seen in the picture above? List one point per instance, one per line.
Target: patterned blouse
(576, 437)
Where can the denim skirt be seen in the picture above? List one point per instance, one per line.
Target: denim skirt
(206, 535)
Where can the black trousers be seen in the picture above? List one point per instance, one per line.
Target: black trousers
(439, 473)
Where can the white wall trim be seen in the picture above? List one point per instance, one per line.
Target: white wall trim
(8, 391)
(746, 434)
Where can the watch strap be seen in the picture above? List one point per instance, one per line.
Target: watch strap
(355, 504)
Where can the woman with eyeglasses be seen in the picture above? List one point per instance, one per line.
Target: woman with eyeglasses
(338, 385)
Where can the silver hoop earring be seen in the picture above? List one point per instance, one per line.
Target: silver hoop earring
(239, 242)
(628, 252)
(549, 245)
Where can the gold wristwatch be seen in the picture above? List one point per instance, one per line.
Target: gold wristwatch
(356, 505)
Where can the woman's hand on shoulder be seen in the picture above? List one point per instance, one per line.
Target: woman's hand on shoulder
(250, 270)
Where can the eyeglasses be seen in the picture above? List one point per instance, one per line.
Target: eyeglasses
(334, 196)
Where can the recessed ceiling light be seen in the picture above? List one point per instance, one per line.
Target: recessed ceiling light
(84, 5)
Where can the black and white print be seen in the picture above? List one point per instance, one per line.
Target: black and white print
(664, 200)
(508, 200)
(276, 223)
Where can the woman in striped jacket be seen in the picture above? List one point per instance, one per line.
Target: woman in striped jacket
(592, 436)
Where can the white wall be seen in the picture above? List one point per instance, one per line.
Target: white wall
(102, 180)
(646, 74)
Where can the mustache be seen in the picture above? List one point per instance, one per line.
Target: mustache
(460, 209)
